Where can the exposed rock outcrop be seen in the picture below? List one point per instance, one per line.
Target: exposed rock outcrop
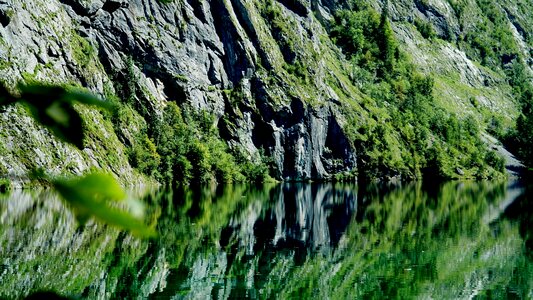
(187, 52)
(193, 52)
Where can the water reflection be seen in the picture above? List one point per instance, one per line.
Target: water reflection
(296, 216)
(454, 240)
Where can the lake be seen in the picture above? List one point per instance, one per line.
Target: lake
(456, 240)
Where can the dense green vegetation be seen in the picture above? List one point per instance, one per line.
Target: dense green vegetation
(431, 140)
(184, 147)
(521, 138)
(181, 146)
(425, 28)
(5, 185)
(192, 149)
(488, 38)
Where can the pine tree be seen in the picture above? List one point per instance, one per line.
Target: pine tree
(386, 43)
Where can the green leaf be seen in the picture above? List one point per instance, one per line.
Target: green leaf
(94, 195)
(53, 107)
(101, 186)
(5, 96)
(61, 119)
(88, 99)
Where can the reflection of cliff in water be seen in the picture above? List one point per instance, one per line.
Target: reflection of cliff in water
(519, 211)
(447, 241)
(299, 216)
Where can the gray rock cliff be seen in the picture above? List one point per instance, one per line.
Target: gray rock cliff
(193, 52)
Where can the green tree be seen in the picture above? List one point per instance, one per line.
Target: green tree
(524, 137)
(387, 44)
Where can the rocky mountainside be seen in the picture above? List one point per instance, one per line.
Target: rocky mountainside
(272, 78)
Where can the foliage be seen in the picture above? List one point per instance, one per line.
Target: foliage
(412, 135)
(388, 46)
(5, 185)
(458, 6)
(93, 195)
(488, 38)
(356, 32)
(425, 29)
(189, 150)
(521, 138)
(253, 171)
(143, 156)
(53, 107)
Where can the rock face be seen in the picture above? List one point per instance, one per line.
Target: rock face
(184, 51)
(193, 52)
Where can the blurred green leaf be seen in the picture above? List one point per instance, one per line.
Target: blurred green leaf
(5, 96)
(97, 185)
(93, 196)
(88, 99)
(53, 107)
(61, 119)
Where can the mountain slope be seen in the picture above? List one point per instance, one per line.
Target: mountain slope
(275, 85)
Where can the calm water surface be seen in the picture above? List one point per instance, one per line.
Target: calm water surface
(313, 241)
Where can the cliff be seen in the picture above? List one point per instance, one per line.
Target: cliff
(273, 79)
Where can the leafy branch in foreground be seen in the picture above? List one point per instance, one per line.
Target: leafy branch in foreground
(100, 196)
(94, 195)
(53, 107)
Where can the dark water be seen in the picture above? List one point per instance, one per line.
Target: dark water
(313, 241)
